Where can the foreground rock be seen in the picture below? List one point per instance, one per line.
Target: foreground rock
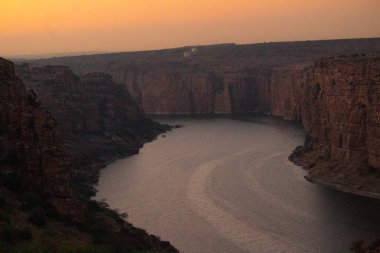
(39, 207)
(32, 148)
(99, 119)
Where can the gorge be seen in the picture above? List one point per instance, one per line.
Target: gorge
(331, 87)
(97, 106)
(223, 185)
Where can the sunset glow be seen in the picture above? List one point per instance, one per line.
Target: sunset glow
(41, 26)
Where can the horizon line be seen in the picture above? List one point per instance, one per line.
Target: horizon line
(82, 53)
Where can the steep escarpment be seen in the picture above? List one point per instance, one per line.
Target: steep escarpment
(185, 91)
(32, 147)
(221, 79)
(287, 85)
(39, 207)
(99, 119)
(340, 112)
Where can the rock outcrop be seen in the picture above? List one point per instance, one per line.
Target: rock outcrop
(32, 147)
(36, 186)
(99, 119)
(340, 112)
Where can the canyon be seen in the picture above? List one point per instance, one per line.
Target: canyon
(330, 87)
(97, 106)
(216, 79)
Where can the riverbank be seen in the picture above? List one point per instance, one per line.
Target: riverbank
(210, 186)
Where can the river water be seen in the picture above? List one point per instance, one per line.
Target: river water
(222, 185)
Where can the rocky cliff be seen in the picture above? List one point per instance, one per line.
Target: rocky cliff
(340, 111)
(99, 119)
(221, 79)
(31, 145)
(185, 91)
(39, 207)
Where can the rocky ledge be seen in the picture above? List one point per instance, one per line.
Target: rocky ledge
(32, 147)
(340, 112)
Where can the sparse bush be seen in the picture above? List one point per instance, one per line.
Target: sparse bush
(4, 219)
(38, 218)
(3, 202)
(13, 235)
(10, 158)
(12, 181)
(3, 127)
(357, 246)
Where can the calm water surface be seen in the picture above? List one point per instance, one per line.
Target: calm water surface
(221, 185)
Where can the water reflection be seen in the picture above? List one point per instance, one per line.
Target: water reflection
(221, 185)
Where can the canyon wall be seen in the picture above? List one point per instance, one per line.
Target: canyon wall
(31, 145)
(334, 98)
(220, 79)
(99, 119)
(184, 91)
(340, 111)
(39, 207)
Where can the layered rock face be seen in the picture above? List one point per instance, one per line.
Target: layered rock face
(98, 117)
(287, 85)
(35, 169)
(224, 79)
(340, 111)
(186, 92)
(31, 145)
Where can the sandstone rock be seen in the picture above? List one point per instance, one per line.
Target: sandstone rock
(100, 120)
(32, 133)
(340, 112)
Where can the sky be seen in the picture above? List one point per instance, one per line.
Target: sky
(29, 27)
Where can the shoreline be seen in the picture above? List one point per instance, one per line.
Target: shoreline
(341, 188)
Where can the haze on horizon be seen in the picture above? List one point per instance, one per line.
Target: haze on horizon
(30, 27)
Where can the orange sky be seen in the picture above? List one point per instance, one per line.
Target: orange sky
(52, 26)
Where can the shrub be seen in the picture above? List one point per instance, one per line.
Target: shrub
(14, 235)
(38, 218)
(10, 158)
(357, 246)
(4, 219)
(3, 127)
(3, 202)
(13, 182)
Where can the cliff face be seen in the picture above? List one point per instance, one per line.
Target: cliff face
(31, 145)
(225, 79)
(99, 119)
(185, 91)
(35, 170)
(286, 88)
(340, 111)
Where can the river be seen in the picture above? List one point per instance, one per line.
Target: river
(223, 185)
